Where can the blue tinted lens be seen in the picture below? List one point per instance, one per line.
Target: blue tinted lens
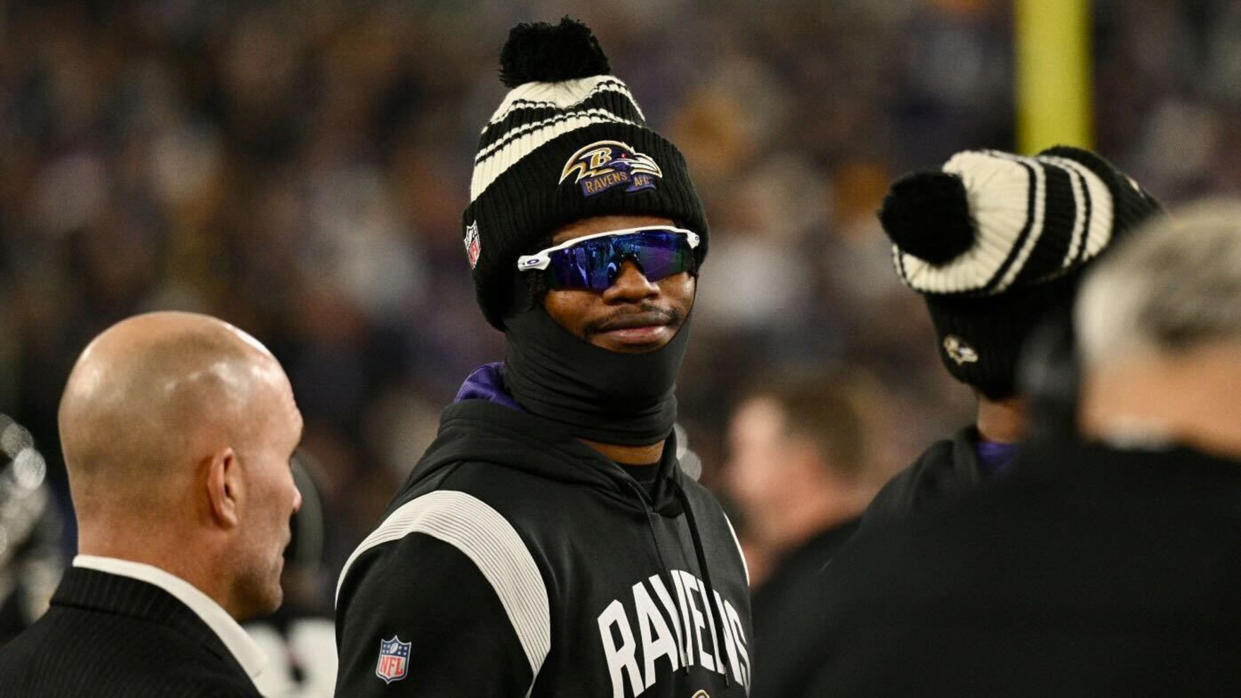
(594, 263)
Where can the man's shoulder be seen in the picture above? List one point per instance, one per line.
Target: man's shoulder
(696, 490)
(470, 482)
(470, 512)
(928, 472)
(705, 502)
(113, 651)
(494, 453)
(946, 469)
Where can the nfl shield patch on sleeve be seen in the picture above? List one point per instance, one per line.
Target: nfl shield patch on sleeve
(393, 662)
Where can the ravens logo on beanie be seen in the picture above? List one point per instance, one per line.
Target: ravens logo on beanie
(994, 241)
(567, 142)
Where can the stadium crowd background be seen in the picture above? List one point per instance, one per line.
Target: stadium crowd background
(299, 169)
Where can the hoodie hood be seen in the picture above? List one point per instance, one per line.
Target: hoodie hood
(493, 432)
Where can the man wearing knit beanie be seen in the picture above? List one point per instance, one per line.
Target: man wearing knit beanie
(1105, 564)
(548, 542)
(996, 243)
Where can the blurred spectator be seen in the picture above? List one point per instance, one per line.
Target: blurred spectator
(31, 560)
(799, 465)
(801, 472)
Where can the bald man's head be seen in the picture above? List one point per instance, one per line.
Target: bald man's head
(154, 394)
(178, 432)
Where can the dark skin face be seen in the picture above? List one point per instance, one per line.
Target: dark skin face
(634, 315)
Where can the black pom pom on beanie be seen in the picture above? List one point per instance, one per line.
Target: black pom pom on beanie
(994, 241)
(928, 196)
(542, 52)
(567, 142)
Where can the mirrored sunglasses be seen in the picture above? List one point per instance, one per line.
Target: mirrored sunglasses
(593, 261)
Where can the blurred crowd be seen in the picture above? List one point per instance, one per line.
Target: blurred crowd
(299, 169)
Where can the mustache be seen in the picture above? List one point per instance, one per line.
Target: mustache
(643, 315)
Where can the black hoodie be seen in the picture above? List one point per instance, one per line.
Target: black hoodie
(518, 561)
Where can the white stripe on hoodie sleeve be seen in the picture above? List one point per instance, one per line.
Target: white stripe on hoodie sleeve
(484, 536)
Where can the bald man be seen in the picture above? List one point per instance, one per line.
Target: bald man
(177, 431)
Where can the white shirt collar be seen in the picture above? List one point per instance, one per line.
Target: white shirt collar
(234, 637)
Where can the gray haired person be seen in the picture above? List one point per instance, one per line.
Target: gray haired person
(1160, 336)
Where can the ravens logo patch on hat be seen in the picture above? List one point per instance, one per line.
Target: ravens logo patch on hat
(606, 164)
(959, 351)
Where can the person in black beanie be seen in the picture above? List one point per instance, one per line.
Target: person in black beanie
(1106, 564)
(996, 243)
(548, 542)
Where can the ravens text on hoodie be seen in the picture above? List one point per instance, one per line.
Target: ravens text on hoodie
(517, 561)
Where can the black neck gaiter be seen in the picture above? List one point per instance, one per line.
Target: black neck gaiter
(600, 395)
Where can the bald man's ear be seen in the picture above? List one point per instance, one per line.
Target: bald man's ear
(224, 487)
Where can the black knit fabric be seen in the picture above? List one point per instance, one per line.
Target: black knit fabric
(980, 339)
(109, 636)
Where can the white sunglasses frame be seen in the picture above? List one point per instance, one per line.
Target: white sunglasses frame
(543, 258)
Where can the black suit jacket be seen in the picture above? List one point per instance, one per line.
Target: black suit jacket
(107, 635)
(1087, 571)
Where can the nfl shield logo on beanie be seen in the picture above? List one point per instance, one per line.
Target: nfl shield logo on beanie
(393, 662)
(472, 245)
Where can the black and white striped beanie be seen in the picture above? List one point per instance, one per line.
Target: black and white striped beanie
(567, 142)
(994, 241)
